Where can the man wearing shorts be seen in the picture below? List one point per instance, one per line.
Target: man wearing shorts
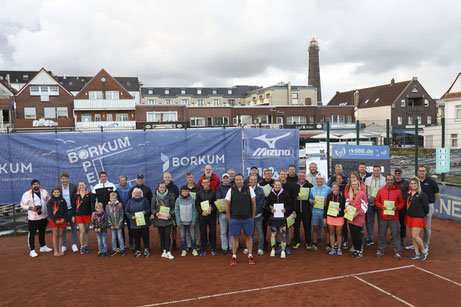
(240, 210)
(317, 193)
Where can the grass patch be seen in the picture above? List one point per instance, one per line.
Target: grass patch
(411, 151)
(452, 179)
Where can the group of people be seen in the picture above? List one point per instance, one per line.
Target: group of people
(338, 206)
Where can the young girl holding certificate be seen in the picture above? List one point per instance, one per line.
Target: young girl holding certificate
(163, 210)
(57, 208)
(279, 205)
(334, 217)
(356, 207)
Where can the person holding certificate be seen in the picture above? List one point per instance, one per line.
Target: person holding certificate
(356, 208)
(278, 204)
(333, 216)
(303, 210)
(389, 201)
(206, 209)
(162, 207)
(138, 210)
(221, 192)
(317, 198)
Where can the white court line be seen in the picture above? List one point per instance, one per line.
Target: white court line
(441, 277)
(383, 291)
(276, 286)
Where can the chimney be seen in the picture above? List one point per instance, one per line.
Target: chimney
(415, 78)
(8, 79)
(356, 98)
(392, 81)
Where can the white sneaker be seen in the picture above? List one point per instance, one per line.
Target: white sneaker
(260, 252)
(33, 254)
(169, 256)
(283, 255)
(74, 248)
(64, 249)
(245, 251)
(164, 254)
(45, 249)
(272, 253)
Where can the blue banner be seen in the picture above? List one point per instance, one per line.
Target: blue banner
(271, 148)
(448, 205)
(24, 157)
(361, 152)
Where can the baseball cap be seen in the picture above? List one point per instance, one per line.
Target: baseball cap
(225, 175)
(398, 170)
(140, 176)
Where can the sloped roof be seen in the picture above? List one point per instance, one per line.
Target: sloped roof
(76, 83)
(377, 96)
(19, 76)
(238, 91)
(455, 89)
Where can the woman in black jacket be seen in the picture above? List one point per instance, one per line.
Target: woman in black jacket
(162, 208)
(417, 209)
(278, 196)
(334, 218)
(57, 210)
(81, 214)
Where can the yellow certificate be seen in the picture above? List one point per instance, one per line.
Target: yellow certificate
(333, 209)
(193, 194)
(140, 221)
(205, 205)
(374, 192)
(350, 213)
(164, 212)
(388, 207)
(221, 205)
(319, 202)
(304, 193)
(267, 189)
(291, 220)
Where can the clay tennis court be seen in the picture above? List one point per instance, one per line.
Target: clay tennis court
(301, 279)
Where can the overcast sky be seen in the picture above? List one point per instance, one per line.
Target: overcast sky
(224, 43)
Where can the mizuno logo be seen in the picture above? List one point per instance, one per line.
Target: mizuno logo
(271, 141)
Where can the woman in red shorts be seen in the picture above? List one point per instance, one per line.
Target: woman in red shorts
(57, 209)
(417, 209)
(81, 207)
(335, 222)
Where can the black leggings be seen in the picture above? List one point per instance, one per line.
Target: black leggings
(305, 217)
(138, 234)
(356, 236)
(165, 237)
(39, 225)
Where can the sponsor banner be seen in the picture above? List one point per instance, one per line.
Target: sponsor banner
(360, 152)
(24, 157)
(448, 205)
(271, 148)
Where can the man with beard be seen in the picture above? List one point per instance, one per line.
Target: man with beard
(214, 180)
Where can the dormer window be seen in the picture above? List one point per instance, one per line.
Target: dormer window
(167, 92)
(183, 92)
(215, 92)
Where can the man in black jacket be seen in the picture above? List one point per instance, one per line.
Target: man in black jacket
(292, 177)
(289, 188)
(303, 211)
(172, 189)
(67, 191)
(147, 192)
(266, 181)
(404, 188)
(101, 192)
(206, 211)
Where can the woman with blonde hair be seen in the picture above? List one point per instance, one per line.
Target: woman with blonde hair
(358, 200)
(138, 205)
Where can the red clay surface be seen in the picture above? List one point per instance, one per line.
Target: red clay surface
(87, 280)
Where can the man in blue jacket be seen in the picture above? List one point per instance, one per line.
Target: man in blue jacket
(123, 190)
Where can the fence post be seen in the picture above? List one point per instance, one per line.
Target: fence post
(144, 128)
(224, 126)
(443, 142)
(328, 150)
(260, 125)
(102, 129)
(7, 129)
(416, 147)
(387, 132)
(357, 131)
(55, 129)
(14, 220)
(185, 126)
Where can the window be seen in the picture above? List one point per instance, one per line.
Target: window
(294, 98)
(97, 117)
(231, 102)
(197, 121)
(429, 120)
(366, 101)
(49, 112)
(94, 95)
(25, 77)
(54, 90)
(170, 116)
(209, 121)
(260, 98)
(291, 120)
(215, 92)
(167, 101)
(109, 117)
(458, 112)
(454, 140)
(184, 101)
(151, 92)
(161, 116)
(311, 119)
(216, 102)
(183, 92)
(410, 120)
(34, 90)
(199, 92)
(246, 119)
(200, 102)
(151, 101)
(229, 92)
(414, 90)
(402, 103)
(62, 112)
(280, 120)
(349, 118)
(268, 96)
(221, 120)
(263, 119)
(29, 113)
(336, 119)
(44, 97)
(167, 92)
(86, 118)
(128, 83)
(377, 99)
(153, 116)
(411, 103)
(426, 103)
(112, 95)
(399, 120)
(420, 120)
(46, 90)
(121, 117)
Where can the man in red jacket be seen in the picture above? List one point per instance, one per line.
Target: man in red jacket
(389, 201)
(214, 180)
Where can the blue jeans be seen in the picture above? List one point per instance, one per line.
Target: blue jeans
(184, 230)
(371, 212)
(117, 234)
(224, 226)
(259, 229)
(102, 241)
(73, 228)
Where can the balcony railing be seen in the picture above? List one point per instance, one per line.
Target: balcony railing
(104, 104)
(106, 124)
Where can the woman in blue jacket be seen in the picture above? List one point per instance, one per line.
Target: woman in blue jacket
(138, 204)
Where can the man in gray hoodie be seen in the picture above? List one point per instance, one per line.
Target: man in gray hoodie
(373, 184)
